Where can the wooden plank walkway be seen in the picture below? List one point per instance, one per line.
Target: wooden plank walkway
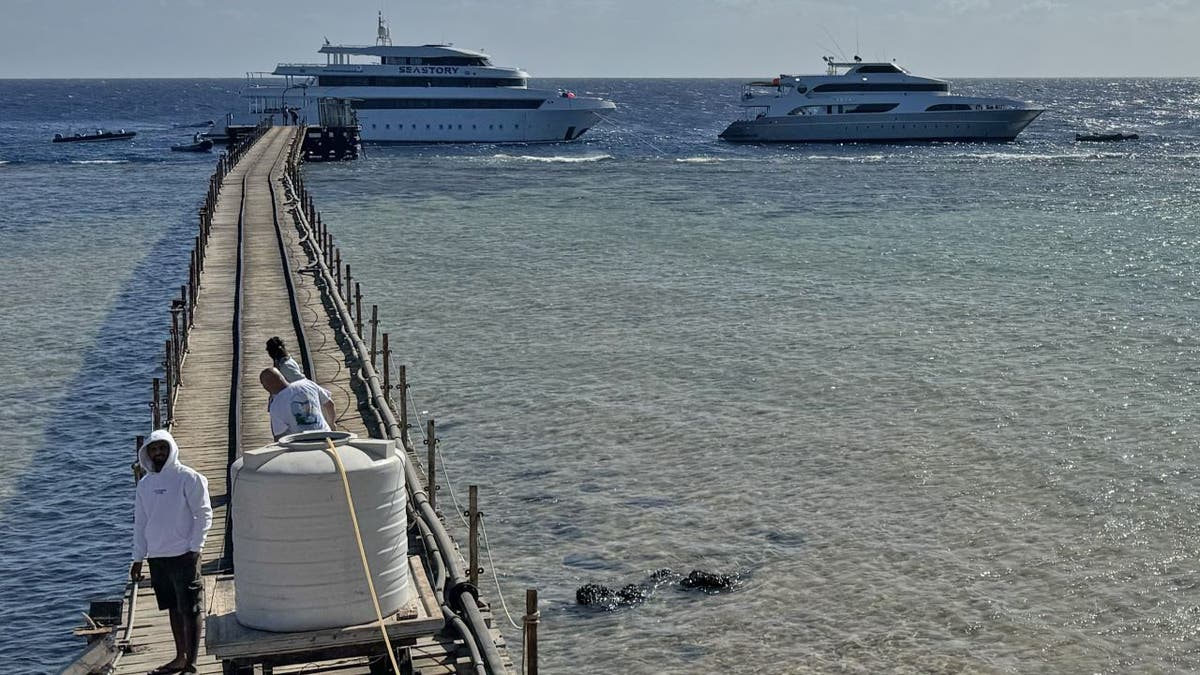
(201, 414)
(201, 422)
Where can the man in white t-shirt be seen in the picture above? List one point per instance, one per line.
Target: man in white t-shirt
(298, 406)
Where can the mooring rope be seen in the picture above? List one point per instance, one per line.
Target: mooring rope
(636, 136)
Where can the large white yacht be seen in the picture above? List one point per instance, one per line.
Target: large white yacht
(871, 102)
(421, 94)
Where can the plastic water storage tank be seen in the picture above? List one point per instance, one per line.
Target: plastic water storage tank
(296, 562)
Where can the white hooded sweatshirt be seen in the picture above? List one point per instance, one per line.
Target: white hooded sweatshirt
(171, 513)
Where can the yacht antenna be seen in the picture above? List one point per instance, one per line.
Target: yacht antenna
(383, 34)
(835, 42)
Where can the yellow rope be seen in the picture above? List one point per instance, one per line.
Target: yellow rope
(332, 452)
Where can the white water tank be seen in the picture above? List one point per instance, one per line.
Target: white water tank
(296, 561)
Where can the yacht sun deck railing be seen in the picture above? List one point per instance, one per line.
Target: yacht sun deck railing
(328, 66)
(265, 79)
(751, 113)
(755, 90)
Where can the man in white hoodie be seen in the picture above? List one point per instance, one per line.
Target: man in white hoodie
(171, 518)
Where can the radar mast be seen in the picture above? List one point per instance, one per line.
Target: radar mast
(383, 35)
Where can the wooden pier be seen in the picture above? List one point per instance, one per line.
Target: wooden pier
(265, 265)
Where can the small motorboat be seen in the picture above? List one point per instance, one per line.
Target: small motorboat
(1105, 138)
(198, 144)
(98, 135)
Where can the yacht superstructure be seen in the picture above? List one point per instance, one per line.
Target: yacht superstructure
(423, 94)
(863, 101)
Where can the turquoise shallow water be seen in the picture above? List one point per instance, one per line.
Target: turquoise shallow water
(935, 403)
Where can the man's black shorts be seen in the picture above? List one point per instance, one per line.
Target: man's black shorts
(177, 583)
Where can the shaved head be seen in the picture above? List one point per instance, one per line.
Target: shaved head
(272, 380)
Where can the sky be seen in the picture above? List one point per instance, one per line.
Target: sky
(611, 38)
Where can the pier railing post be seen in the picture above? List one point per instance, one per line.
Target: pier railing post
(374, 335)
(177, 335)
(431, 467)
(185, 320)
(358, 321)
(532, 616)
(473, 535)
(348, 295)
(155, 405)
(138, 471)
(169, 371)
(337, 257)
(387, 369)
(402, 372)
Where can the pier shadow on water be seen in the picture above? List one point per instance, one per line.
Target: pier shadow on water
(65, 530)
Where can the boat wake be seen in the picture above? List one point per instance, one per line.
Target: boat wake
(99, 161)
(699, 160)
(1038, 157)
(552, 160)
(862, 159)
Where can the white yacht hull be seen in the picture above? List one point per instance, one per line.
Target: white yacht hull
(967, 125)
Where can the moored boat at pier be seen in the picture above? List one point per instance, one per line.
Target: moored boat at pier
(420, 94)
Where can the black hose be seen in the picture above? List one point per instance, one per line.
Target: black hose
(459, 595)
(235, 391)
(297, 322)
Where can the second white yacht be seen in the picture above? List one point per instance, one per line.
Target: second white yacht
(871, 102)
(421, 94)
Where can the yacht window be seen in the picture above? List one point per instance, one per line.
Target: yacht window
(881, 86)
(444, 103)
(382, 81)
(801, 90)
(882, 68)
(871, 107)
(947, 106)
(456, 61)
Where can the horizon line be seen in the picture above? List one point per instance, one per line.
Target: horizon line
(628, 77)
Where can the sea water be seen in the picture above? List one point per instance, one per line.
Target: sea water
(933, 403)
